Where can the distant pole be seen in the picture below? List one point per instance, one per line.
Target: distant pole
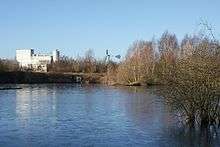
(107, 59)
(107, 66)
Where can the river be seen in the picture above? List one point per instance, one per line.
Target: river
(91, 115)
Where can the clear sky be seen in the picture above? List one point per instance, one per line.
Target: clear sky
(76, 25)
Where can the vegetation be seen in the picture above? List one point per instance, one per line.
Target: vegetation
(8, 65)
(86, 64)
(189, 71)
(139, 63)
(193, 83)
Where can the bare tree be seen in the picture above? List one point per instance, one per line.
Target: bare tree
(139, 63)
(89, 62)
(193, 83)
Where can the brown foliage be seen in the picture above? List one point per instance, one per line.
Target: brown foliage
(193, 84)
(139, 63)
(86, 64)
(190, 73)
(8, 65)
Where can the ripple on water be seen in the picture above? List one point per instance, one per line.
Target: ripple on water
(76, 115)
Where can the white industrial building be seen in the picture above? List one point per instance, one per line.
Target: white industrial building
(27, 59)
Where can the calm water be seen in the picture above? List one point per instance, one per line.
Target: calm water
(75, 115)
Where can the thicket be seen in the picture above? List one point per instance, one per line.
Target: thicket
(8, 65)
(189, 71)
(86, 64)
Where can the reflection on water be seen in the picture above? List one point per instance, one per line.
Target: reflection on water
(75, 115)
(193, 137)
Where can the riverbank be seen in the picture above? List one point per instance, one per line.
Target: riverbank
(20, 77)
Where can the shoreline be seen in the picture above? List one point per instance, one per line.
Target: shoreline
(20, 77)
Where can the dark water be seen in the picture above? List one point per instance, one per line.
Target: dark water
(75, 115)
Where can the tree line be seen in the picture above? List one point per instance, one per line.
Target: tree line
(86, 64)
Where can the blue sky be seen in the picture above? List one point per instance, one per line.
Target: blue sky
(73, 26)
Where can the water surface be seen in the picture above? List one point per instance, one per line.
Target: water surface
(94, 115)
